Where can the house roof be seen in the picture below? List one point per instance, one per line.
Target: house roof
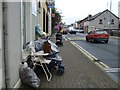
(85, 19)
(95, 16)
(98, 14)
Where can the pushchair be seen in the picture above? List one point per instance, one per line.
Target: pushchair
(52, 56)
(56, 59)
(59, 39)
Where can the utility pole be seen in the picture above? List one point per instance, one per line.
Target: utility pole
(110, 17)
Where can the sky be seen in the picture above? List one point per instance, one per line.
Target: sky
(74, 10)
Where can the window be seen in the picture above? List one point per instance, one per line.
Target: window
(101, 32)
(39, 5)
(100, 21)
(112, 21)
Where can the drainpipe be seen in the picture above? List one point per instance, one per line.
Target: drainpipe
(50, 26)
(6, 70)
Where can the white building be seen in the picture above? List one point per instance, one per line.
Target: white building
(17, 27)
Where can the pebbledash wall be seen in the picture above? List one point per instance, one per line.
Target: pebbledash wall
(19, 20)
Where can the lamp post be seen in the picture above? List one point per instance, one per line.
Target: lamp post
(109, 22)
(109, 26)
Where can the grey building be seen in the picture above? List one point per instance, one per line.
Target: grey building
(104, 20)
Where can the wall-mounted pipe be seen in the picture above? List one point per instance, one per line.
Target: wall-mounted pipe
(6, 72)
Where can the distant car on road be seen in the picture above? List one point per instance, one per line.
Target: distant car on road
(97, 36)
(65, 32)
(72, 30)
(77, 30)
(81, 31)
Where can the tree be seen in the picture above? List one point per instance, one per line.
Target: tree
(56, 18)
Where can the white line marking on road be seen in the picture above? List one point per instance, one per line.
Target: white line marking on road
(104, 65)
(112, 70)
(65, 38)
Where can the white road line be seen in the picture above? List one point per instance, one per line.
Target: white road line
(65, 38)
(104, 65)
(112, 70)
(75, 38)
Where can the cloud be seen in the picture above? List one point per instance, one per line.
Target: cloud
(74, 9)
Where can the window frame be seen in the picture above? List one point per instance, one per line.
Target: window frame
(100, 21)
(112, 21)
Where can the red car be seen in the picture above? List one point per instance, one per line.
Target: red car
(97, 36)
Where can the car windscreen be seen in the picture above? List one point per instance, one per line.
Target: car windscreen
(101, 32)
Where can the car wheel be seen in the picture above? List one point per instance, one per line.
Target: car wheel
(106, 41)
(92, 40)
(86, 39)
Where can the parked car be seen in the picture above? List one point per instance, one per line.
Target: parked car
(97, 36)
(72, 31)
(77, 30)
(81, 31)
(65, 32)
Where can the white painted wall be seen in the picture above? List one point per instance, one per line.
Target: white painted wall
(13, 42)
(28, 21)
(14, 38)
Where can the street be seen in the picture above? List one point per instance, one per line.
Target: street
(106, 53)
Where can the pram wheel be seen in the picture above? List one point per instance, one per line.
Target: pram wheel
(61, 69)
(59, 39)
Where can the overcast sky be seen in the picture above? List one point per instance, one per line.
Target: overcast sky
(74, 10)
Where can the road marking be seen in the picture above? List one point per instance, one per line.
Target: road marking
(91, 57)
(65, 38)
(112, 70)
(104, 65)
(75, 38)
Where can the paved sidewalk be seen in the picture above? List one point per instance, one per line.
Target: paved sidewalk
(80, 72)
